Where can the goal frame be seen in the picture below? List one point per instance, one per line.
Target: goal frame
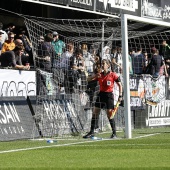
(125, 51)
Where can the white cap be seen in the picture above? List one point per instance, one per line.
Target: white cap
(105, 48)
(55, 33)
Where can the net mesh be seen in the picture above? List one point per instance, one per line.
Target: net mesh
(62, 109)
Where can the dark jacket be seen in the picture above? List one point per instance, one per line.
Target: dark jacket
(10, 59)
(156, 63)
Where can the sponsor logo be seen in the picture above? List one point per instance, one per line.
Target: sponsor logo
(9, 115)
(105, 3)
(83, 2)
(11, 130)
(152, 10)
(161, 110)
(10, 118)
(17, 83)
(159, 115)
(159, 121)
(129, 5)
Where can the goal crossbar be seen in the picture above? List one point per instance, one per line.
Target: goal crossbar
(72, 8)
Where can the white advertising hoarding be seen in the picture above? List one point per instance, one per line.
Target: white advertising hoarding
(17, 83)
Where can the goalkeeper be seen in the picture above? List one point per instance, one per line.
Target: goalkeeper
(105, 98)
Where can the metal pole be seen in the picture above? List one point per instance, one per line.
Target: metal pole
(127, 110)
(102, 120)
(102, 46)
(148, 20)
(94, 9)
(102, 38)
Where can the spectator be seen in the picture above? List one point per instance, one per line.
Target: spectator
(165, 50)
(10, 28)
(0, 41)
(97, 64)
(40, 43)
(4, 35)
(146, 58)
(77, 74)
(89, 60)
(26, 42)
(18, 42)
(58, 44)
(130, 64)
(64, 66)
(156, 62)
(166, 55)
(41, 39)
(93, 51)
(65, 59)
(131, 51)
(46, 53)
(106, 53)
(168, 66)
(9, 44)
(92, 85)
(25, 55)
(138, 62)
(163, 68)
(116, 58)
(12, 59)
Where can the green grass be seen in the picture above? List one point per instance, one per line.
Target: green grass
(149, 152)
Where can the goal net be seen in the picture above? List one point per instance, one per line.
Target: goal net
(64, 107)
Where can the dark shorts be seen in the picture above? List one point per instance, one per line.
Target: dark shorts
(105, 100)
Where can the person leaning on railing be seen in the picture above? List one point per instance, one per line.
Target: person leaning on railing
(12, 59)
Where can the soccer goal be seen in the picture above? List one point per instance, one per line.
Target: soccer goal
(61, 110)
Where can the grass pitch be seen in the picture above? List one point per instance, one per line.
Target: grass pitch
(148, 149)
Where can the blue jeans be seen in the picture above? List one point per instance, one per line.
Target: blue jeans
(156, 74)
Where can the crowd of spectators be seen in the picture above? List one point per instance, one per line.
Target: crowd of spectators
(15, 48)
(72, 65)
(140, 63)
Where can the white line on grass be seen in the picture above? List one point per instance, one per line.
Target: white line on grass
(146, 135)
(50, 146)
(130, 144)
(67, 144)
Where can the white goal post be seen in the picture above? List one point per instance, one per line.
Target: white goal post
(124, 30)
